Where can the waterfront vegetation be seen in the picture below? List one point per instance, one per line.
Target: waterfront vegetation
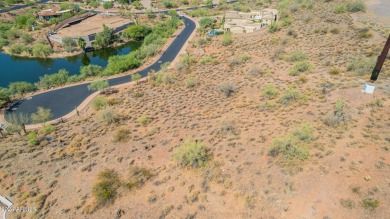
(153, 40)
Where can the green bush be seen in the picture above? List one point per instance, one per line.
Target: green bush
(122, 135)
(138, 176)
(334, 71)
(109, 115)
(16, 49)
(361, 66)
(191, 82)
(370, 204)
(32, 138)
(227, 39)
(339, 116)
(356, 6)
(300, 67)
(290, 95)
(192, 153)
(99, 103)
(42, 115)
(47, 129)
(41, 50)
(98, 85)
(340, 9)
(3, 42)
(105, 189)
(270, 91)
(137, 32)
(144, 120)
(21, 87)
(90, 70)
(207, 59)
(54, 80)
(296, 56)
(290, 151)
(304, 132)
(273, 27)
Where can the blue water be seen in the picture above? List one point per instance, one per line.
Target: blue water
(14, 68)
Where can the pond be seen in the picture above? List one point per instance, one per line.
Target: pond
(30, 69)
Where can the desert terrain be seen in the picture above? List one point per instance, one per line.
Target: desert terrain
(287, 130)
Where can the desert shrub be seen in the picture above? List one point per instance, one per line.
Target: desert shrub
(356, 6)
(227, 39)
(286, 22)
(99, 103)
(191, 82)
(290, 151)
(41, 50)
(98, 85)
(338, 116)
(207, 59)
(20, 87)
(27, 38)
(206, 22)
(334, 71)
(347, 203)
(136, 77)
(227, 126)
(122, 135)
(68, 43)
(295, 56)
(105, 189)
(304, 132)
(273, 27)
(144, 120)
(109, 115)
(138, 176)
(335, 30)
(3, 42)
(270, 91)
(370, 204)
(192, 153)
(364, 33)
(244, 57)
(340, 9)
(160, 78)
(227, 89)
(16, 49)
(300, 67)
(32, 138)
(42, 115)
(361, 66)
(169, 4)
(47, 129)
(290, 95)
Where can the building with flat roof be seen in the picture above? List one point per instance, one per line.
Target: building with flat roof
(240, 22)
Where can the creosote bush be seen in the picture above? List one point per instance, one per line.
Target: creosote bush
(109, 115)
(227, 88)
(192, 153)
(339, 116)
(226, 126)
(300, 67)
(99, 103)
(32, 138)
(334, 71)
(292, 149)
(227, 39)
(122, 135)
(105, 189)
(370, 204)
(290, 95)
(138, 176)
(270, 91)
(191, 82)
(144, 120)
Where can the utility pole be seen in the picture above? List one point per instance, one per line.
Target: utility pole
(380, 61)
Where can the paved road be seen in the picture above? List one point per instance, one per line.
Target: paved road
(63, 101)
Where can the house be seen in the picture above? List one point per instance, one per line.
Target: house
(48, 14)
(240, 22)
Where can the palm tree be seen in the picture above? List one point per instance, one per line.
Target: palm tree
(81, 43)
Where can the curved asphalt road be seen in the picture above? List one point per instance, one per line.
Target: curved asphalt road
(63, 101)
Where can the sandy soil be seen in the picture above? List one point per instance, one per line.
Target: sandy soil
(348, 164)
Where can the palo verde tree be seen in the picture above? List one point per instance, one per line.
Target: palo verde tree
(104, 38)
(42, 115)
(17, 123)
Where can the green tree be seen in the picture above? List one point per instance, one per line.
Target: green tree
(90, 70)
(209, 3)
(4, 96)
(21, 87)
(42, 115)
(98, 85)
(137, 32)
(68, 43)
(104, 38)
(17, 122)
(81, 43)
(54, 80)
